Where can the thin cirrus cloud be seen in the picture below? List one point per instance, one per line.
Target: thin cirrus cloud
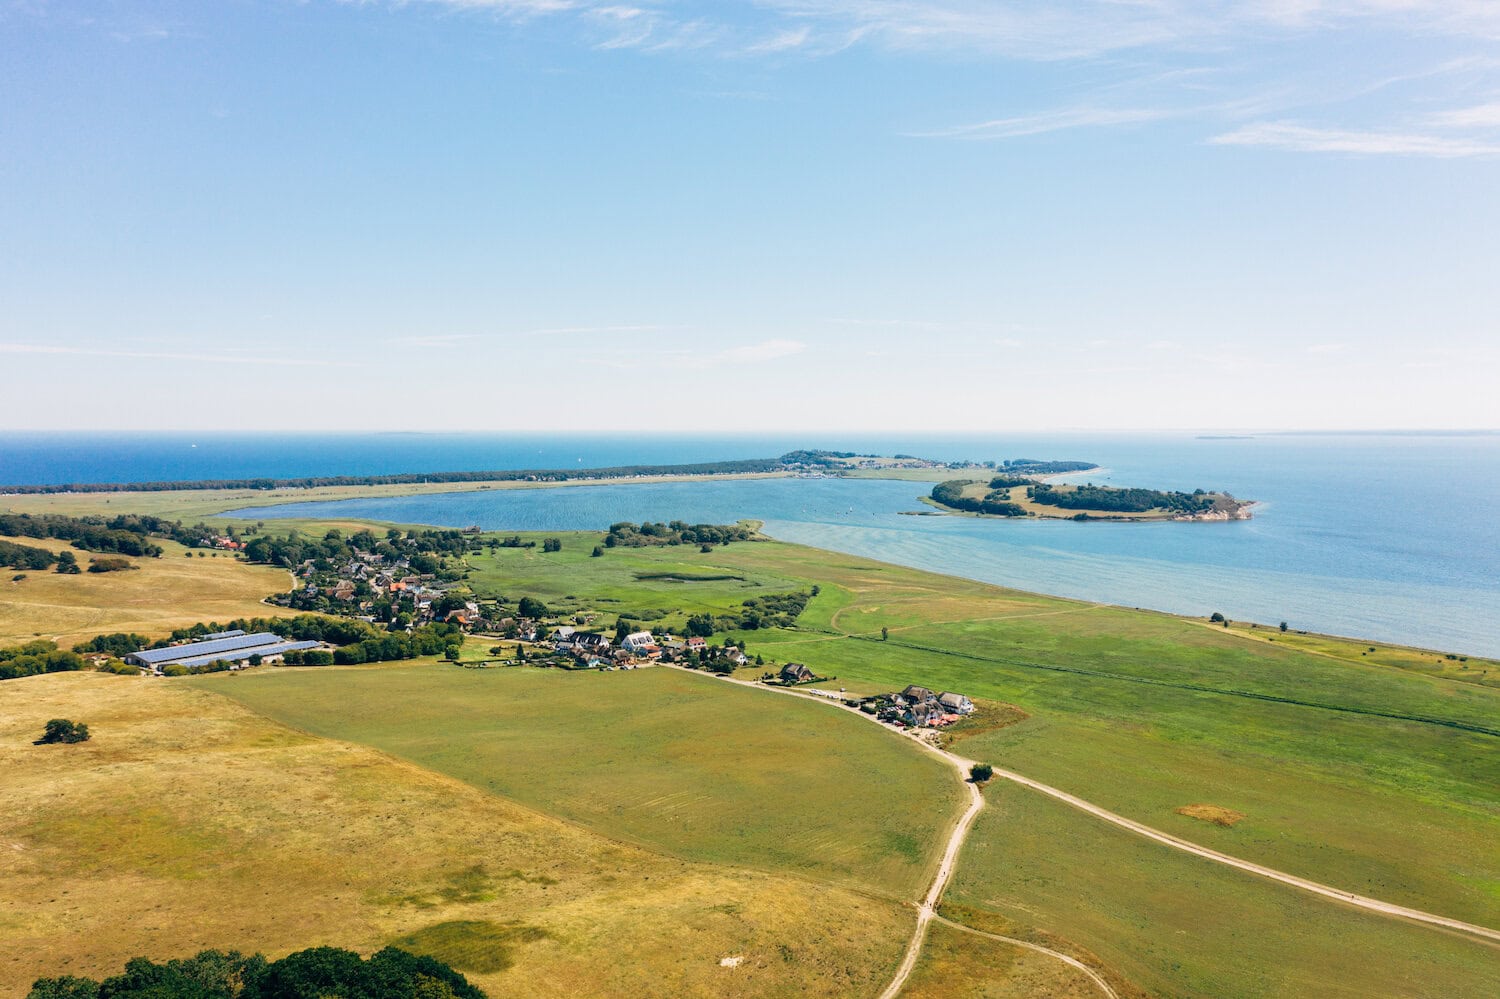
(1029, 29)
(1050, 121)
(1303, 138)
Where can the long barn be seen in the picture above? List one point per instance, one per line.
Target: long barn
(232, 648)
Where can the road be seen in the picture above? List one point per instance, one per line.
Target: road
(928, 910)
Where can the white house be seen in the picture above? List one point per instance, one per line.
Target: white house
(638, 641)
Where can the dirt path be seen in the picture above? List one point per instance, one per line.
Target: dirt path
(1316, 888)
(928, 910)
(1093, 975)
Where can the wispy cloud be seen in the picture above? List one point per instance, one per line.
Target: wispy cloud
(1050, 121)
(226, 357)
(1302, 138)
(1479, 116)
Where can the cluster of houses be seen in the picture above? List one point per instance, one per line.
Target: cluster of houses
(367, 579)
(919, 707)
(594, 650)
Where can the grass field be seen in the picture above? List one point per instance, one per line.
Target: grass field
(1176, 925)
(189, 822)
(1367, 766)
(161, 594)
(662, 585)
(680, 763)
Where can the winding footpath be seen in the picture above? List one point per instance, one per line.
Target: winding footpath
(927, 912)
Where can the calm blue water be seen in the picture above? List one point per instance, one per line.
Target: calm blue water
(1388, 537)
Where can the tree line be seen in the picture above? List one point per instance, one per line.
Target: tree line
(1113, 500)
(628, 535)
(120, 536)
(320, 971)
(951, 494)
(37, 657)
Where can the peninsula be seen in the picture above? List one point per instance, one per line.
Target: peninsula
(1028, 495)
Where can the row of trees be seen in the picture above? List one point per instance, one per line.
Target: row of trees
(501, 475)
(321, 971)
(94, 534)
(37, 657)
(628, 535)
(14, 556)
(1112, 500)
(951, 495)
(423, 549)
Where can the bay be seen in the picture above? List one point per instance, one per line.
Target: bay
(1387, 537)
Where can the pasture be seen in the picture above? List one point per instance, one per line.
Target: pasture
(160, 594)
(189, 822)
(1176, 925)
(680, 763)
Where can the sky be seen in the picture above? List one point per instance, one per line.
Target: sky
(910, 215)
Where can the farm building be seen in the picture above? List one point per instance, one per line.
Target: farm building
(918, 695)
(234, 648)
(957, 704)
(796, 673)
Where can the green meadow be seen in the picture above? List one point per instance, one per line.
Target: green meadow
(1371, 768)
(690, 765)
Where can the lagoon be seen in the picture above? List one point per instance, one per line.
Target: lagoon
(1387, 537)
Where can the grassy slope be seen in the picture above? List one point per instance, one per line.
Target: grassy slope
(681, 763)
(571, 579)
(1181, 926)
(189, 822)
(1399, 809)
(162, 594)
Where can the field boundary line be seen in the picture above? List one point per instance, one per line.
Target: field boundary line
(1097, 978)
(1198, 687)
(1349, 898)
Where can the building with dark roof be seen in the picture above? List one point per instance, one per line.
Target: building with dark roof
(233, 648)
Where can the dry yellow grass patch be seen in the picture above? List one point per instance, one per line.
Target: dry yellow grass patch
(159, 595)
(190, 822)
(1216, 814)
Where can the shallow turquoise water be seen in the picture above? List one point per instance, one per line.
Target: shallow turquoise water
(1387, 537)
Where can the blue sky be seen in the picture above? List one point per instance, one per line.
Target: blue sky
(823, 214)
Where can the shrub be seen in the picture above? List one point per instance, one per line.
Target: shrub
(109, 563)
(981, 772)
(61, 730)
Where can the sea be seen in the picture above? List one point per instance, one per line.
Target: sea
(1386, 536)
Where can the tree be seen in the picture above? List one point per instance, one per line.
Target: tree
(67, 563)
(981, 772)
(1283, 627)
(700, 625)
(531, 607)
(1217, 618)
(552, 545)
(256, 659)
(705, 548)
(61, 730)
(451, 653)
(597, 552)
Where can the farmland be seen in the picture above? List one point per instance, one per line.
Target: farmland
(677, 763)
(1368, 767)
(161, 594)
(189, 822)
